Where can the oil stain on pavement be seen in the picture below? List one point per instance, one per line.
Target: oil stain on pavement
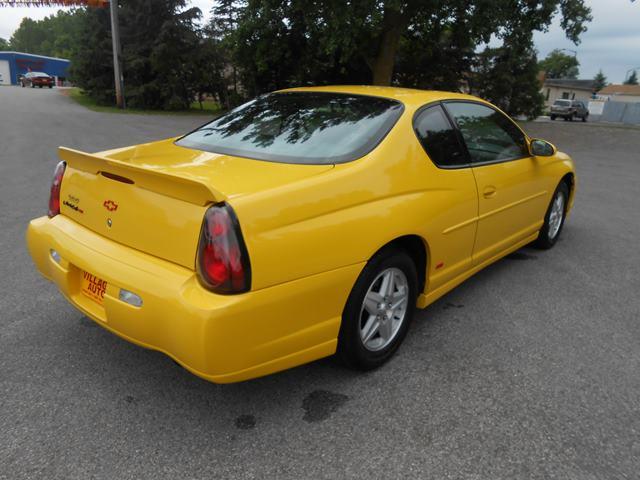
(245, 422)
(320, 404)
(449, 305)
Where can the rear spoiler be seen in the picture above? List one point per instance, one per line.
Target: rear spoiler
(183, 188)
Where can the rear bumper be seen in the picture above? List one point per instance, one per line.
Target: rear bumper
(220, 338)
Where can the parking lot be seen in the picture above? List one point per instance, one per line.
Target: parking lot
(530, 369)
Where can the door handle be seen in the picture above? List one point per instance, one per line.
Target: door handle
(489, 191)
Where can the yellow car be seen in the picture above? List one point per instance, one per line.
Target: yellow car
(306, 222)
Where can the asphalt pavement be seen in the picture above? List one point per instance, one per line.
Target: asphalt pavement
(529, 370)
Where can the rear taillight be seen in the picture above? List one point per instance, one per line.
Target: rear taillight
(223, 261)
(54, 195)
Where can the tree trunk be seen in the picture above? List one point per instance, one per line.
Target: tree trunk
(393, 24)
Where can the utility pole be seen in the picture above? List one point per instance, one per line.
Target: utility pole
(117, 65)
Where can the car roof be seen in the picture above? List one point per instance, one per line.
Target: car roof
(408, 96)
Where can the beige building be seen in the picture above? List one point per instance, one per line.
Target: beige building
(567, 88)
(620, 93)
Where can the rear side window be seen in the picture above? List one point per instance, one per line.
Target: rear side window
(489, 135)
(300, 127)
(438, 138)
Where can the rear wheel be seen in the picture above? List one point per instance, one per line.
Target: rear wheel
(584, 119)
(554, 219)
(379, 310)
(553, 117)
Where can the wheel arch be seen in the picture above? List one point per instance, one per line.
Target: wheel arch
(418, 249)
(569, 180)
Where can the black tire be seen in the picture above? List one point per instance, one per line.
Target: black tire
(566, 119)
(553, 117)
(33, 86)
(50, 86)
(545, 240)
(584, 119)
(351, 349)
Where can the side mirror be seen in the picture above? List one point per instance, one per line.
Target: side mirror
(541, 148)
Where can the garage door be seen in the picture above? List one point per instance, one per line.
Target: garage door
(5, 73)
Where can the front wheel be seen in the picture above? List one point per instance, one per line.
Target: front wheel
(379, 310)
(553, 117)
(554, 219)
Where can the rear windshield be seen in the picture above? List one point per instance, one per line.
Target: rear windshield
(562, 103)
(39, 74)
(299, 127)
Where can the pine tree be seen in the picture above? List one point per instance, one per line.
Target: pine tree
(599, 81)
(160, 54)
(507, 76)
(633, 79)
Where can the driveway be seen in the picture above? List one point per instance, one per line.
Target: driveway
(530, 369)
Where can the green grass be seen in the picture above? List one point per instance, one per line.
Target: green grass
(209, 107)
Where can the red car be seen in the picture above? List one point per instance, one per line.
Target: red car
(37, 79)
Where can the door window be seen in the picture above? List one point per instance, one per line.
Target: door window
(438, 137)
(489, 135)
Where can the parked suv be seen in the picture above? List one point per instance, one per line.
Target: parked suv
(569, 109)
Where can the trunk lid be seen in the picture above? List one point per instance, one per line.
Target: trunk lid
(152, 197)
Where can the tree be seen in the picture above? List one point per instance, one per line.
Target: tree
(560, 65)
(4, 45)
(55, 35)
(599, 81)
(162, 52)
(508, 77)
(633, 79)
(277, 44)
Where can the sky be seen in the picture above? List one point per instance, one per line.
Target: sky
(611, 43)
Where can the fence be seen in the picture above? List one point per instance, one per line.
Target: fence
(620, 112)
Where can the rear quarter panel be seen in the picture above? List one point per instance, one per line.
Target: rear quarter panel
(344, 216)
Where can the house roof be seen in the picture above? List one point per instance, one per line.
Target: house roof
(23, 54)
(620, 90)
(570, 83)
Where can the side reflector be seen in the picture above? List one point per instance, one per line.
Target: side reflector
(129, 297)
(55, 255)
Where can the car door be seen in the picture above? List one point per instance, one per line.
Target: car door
(453, 197)
(512, 193)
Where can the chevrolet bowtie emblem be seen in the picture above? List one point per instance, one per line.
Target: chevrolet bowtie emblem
(110, 205)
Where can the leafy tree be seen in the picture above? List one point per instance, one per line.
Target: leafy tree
(599, 81)
(4, 45)
(560, 65)
(55, 35)
(633, 79)
(277, 44)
